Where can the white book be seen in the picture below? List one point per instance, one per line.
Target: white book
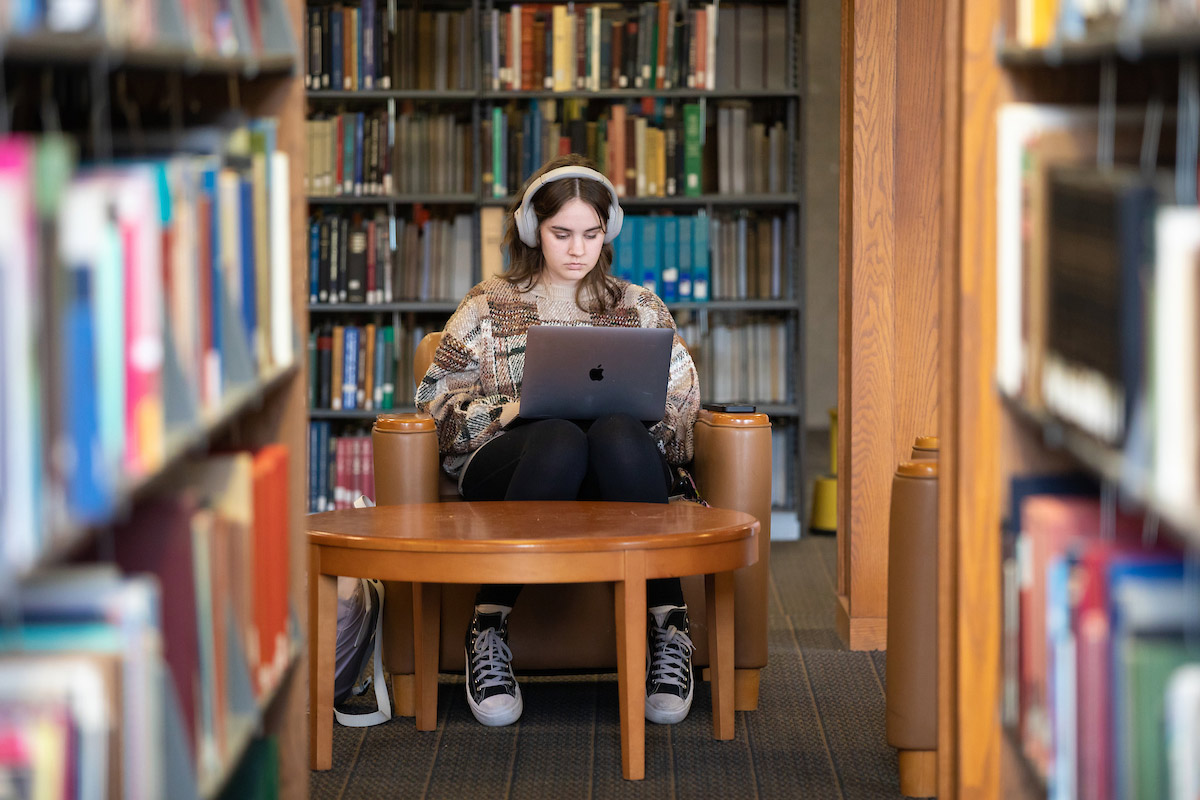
(1183, 732)
(279, 214)
(20, 443)
(514, 46)
(1176, 373)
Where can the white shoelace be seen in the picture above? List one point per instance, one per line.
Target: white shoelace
(493, 657)
(671, 650)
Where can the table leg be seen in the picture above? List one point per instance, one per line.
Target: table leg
(322, 626)
(718, 590)
(427, 612)
(631, 665)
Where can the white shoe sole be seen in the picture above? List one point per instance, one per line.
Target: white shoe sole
(506, 714)
(668, 716)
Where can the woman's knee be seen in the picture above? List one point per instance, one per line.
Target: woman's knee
(557, 443)
(620, 449)
(617, 428)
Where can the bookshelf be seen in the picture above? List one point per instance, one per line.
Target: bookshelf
(152, 440)
(1093, 86)
(477, 87)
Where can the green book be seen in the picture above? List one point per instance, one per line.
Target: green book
(347, 176)
(691, 150)
(499, 150)
(1149, 663)
(389, 368)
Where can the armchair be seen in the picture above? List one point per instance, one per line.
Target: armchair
(732, 469)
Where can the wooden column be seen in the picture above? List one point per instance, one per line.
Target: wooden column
(890, 219)
(969, 731)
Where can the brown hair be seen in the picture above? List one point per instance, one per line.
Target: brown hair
(525, 263)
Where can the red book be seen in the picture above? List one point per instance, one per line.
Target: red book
(1050, 524)
(369, 467)
(1093, 680)
(617, 53)
(342, 490)
(271, 557)
(354, 446)
(158, 540)
(616, 146)
(210, 386)
(528, 51)
(700, 47)
(141, 241)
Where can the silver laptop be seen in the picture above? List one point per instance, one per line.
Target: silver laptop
(586, 372)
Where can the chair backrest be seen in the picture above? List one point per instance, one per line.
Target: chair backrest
(424, 355)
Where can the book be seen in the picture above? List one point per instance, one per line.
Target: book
(158, 540)
(1098, 263)
(271, 546)
(1175, 361)
(1182, 712)
(1149, 601)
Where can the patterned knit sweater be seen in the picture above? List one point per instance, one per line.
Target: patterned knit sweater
(479, 364)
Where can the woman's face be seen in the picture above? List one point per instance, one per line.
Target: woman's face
(571, 243)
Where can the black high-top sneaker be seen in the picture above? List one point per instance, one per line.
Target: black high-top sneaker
(492, 690)
(668, 665)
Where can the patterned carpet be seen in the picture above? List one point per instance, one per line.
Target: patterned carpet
(818, 731)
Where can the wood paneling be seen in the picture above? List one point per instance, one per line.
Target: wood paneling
(971, 524)
(888, 286)
(948, 492)
(845, 240)
(284, 416)
(918, 191)
(871, 318)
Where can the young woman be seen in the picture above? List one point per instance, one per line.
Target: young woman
(558, 236)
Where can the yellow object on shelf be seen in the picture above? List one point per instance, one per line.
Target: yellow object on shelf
(824, 495)
(824, 505)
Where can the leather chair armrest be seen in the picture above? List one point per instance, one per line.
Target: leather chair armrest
(407, 470)
(406, 459)
(732, 464)
(732, 468)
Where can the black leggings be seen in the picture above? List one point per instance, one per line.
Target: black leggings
(614, 459)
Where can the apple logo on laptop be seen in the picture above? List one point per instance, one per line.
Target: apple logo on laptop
(596, 373)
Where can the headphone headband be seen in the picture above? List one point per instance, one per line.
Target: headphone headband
(526, 219)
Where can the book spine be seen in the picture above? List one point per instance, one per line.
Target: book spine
(389, 366)
(669, 258)
(700, 257)
(336, 77)
(350, 368)
(367, 24)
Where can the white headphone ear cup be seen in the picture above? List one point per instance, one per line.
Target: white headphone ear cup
(526, 221)
(616, 218)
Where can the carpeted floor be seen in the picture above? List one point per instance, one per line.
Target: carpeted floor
(818, 731)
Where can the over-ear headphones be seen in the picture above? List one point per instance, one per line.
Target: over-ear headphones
(526, 219)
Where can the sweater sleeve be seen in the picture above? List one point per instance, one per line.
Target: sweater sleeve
(465, 407)
(683, 386)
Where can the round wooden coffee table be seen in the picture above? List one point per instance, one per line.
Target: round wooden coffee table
(528, 542)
